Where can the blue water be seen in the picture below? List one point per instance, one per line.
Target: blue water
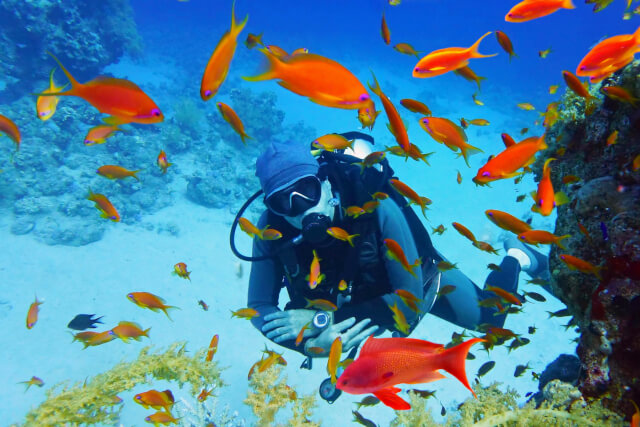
(179, 38)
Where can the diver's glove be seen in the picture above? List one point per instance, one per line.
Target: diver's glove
(286, 325)
(352, 335)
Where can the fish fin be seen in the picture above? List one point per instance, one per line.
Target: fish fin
(559, 242)
(561, 198)
(271, 70)
(567, 4)
(389, 396)
(453, 361)
(474, 48)
(75, 85)
(235, 27)
(373, 345)
(376, 89)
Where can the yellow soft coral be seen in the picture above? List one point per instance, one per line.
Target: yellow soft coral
(268, 394)
(92, 402)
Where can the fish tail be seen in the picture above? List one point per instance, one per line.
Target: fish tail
(542, 145)
(75, 85)
(559, 243)
(351, 237)
(243, 135)
(235, 27)
(546, 169)
(133, 174)
(567, 4)
(375, 89)
(453, 361)
(474, 48)
(271, 71)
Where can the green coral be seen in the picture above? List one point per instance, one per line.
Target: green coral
(269, 393)
(92, 402)
(563, 406)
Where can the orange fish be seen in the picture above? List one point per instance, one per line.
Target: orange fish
(248, 227)
(367, 115)
(635, 164)
(396, 125)
(507, 296)
(245, 313)
(468, 74)
(341, 234)
(161, 418)
(33, 381)
(180, 269)
(204, 394)
(507, 140)
(384, 31)
(270, 234)
(506, 44)
(532, 9)
(320, 79)
(103, 204)
(32, 314)
(551, 115)
(379, 195)
(407, 49)
(321, 304)
(213, 347)
(414, 153)
(476, 100)
(395, 252)
(301, 334)
(155, 399)
(10, 128)
(507, 222)
(342, 286)
(415, 106)
(553, 89)
(371, 159)
(332, 141)
(99, 134)
(570, 179)
(117, 172)
(119, 98)
(232, 118)
(635, 418)
(253, 40)
(545, 199)
(382, 363)
(334, 359)
(575, 263)
(526, 106)
(126, 330)
(608, 56)
(150, 301)
(99, 338)
(46, 105)
(409, 299)
(478, 122)
(300, 51)
(535, 237)
(442, 61)
(162, 161)
(464, 231)
(543, 54)
(450, 134)
(400, 320)
(459, 178)
(354, 211)
(574, 83)
(370, 206)
(218, 66)
(506, 163)
(413, 197)
(277, 51)
(314, 277)
(618, 93)
(486, 247)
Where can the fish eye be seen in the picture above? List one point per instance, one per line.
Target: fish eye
(345, 382)
(138, 397)
(364, 97)
(207, 93)
(43, 114)
(490, 213)
(486, 174)
(155, 112)
(540, 202)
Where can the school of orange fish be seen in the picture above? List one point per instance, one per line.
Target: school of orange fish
(328, 83)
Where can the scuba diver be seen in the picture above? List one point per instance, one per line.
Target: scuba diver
(306, 195)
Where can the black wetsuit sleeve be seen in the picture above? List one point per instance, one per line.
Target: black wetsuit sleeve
(392, 225)
(265, 283)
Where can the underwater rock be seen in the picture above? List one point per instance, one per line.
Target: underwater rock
(605, 203)
(206, 191)
(565, 368)
(86, 36)
(22, 225)
(69, 231)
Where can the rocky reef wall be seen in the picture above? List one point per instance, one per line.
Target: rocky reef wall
(606, 203)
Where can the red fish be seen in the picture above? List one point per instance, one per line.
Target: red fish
(506, 164)
(442, 61)
(532, 9)
(218, 66)
(7, 126)
(119, 98)
(545, 198)
(450, 134)
(386, 362)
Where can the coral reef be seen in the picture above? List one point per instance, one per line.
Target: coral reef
(605, 203)
(94, 402)
(565, 368)
(85, 35)
(563, 406)
(269, 393)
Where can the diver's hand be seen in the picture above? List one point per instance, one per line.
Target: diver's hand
(352, 334)
(286, 325)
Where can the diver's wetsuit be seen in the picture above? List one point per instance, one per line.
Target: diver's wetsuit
(459, 307)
